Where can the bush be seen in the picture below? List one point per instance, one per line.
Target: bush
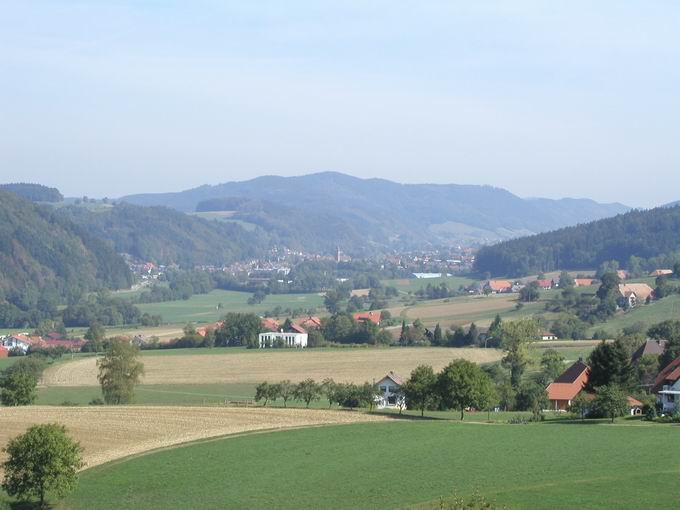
(68, 403)
(96, 402)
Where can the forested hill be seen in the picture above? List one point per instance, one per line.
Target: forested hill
(45, 257)
(166, 236)
(645, 234)
(34, 192)
(396, 215)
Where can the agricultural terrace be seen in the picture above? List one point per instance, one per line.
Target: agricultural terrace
(242, 366)
(401, 464)
(112, 432)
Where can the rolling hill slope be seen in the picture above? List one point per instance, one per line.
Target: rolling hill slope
(388, 214)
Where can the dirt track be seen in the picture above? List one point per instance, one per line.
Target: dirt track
(355, 365)
(109, 433)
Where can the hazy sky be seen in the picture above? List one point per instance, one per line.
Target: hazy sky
(545, 98)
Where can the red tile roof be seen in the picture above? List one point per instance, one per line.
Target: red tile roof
(570, 383)
(367, 316)
(297, 328)
(270, 324)
(669, 374)
(544, 283)
(310, 322)
(499, 285)
(584, 282)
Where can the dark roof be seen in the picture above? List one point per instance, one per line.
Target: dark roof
(571, 374)
(671, 373)
(650, 347)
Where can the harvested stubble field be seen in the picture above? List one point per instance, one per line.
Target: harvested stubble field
(113, 432)
(347, 365)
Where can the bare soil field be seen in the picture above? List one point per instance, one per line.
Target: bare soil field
(350, 365)
(113, 432)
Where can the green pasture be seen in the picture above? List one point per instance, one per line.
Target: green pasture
(664, 309)
(400, 464)
(204, 307)
(414, 284)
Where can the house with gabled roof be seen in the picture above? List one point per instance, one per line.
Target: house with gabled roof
(584, 282)
(565, 388)
(499, 286)
(651, 347)
(545, 284)
(389, 391)
(633, 294)
(667, 386)
(309, 323)
(371, 316)
(269, 324)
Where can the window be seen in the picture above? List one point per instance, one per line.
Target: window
(383, 389)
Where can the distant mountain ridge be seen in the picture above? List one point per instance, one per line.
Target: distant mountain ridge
(388, 214)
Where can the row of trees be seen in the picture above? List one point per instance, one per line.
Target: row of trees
(343, 394)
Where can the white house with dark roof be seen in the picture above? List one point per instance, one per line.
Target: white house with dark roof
(389, 392)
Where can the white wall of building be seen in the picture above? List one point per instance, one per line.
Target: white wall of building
(298, 340)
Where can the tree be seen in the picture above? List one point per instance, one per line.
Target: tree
(286, 391)
(238, 329)
(552, 363)
(493, 335)
(516, 336)
(646, 370)
(421, 389)
(530, 293)
(566, 280)
(265, 391)
(437, 336)
(329, 390)
(532, 397)
(610, 364)
(41, 460)
(611, 401)
(609, 287)
(580, 405)
(19, 389)
(307, 391)
(667, 330)
(95, 335)
(119, 372)
(463, 384)
(472, 334)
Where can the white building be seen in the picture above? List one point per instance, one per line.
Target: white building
(281, 339)
(389, 391)
(667, 387)
(16, 342)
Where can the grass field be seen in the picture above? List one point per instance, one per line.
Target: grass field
(203, 308)
(193, 366)
(400, 464)
(414, 284)
(658, 311)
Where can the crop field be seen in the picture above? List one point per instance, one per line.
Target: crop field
(204, 307)
(112, 432)
(400, 464)
(355, 365)
(414, 284)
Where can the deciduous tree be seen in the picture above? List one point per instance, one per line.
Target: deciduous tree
(119, 372)
(421, 389)
(463, 384)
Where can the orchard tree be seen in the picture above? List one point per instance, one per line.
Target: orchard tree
(421, 389)
(307, 391)
(286, 391)
(464, 384)
(18, 389)
(266, 392)
(119, 372)
(43, 459)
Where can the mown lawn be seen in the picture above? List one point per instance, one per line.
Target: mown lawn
(400, 464)
(203, 308)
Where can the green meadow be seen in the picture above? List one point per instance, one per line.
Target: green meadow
(400, 464)
(204, 307)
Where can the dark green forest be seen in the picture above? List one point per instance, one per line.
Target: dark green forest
(647, 237)
(34, 192)
(166, 236)
(45, 260)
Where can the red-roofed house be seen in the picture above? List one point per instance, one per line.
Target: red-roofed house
(584, 282)
(269, 324)
(633, 294)
(499, 286)
(310, 323)
(545, 284)
(565, 388)
(296, 328)
(667, 386)
(373, 317)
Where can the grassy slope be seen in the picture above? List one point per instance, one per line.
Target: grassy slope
(393, 465)
(414, 284)
(657, 311)
(202, 308)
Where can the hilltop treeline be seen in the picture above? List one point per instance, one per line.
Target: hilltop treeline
(166, 236)
(45, 260)
(34, 192)
(626, 238)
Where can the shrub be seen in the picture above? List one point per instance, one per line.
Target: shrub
(96, 402)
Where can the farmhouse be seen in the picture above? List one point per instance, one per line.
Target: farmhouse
(499, 286)
(20, 342)
(373, 317)
(545, 284)
(546, 335)
(565, 388)
(390, 391)
(649, 348)
(282, 339)
(661, 272)
(584, 282)
(633, 294)
(667, 386)
(310, 323)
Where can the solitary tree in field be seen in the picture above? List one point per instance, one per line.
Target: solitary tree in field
(307, 391)
(421, 389)
(18, 389)
(463, 384)
(516, 336)
(43, 459)
(119, 372)
(611, 401)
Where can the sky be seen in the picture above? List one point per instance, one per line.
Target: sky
(560, 98)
